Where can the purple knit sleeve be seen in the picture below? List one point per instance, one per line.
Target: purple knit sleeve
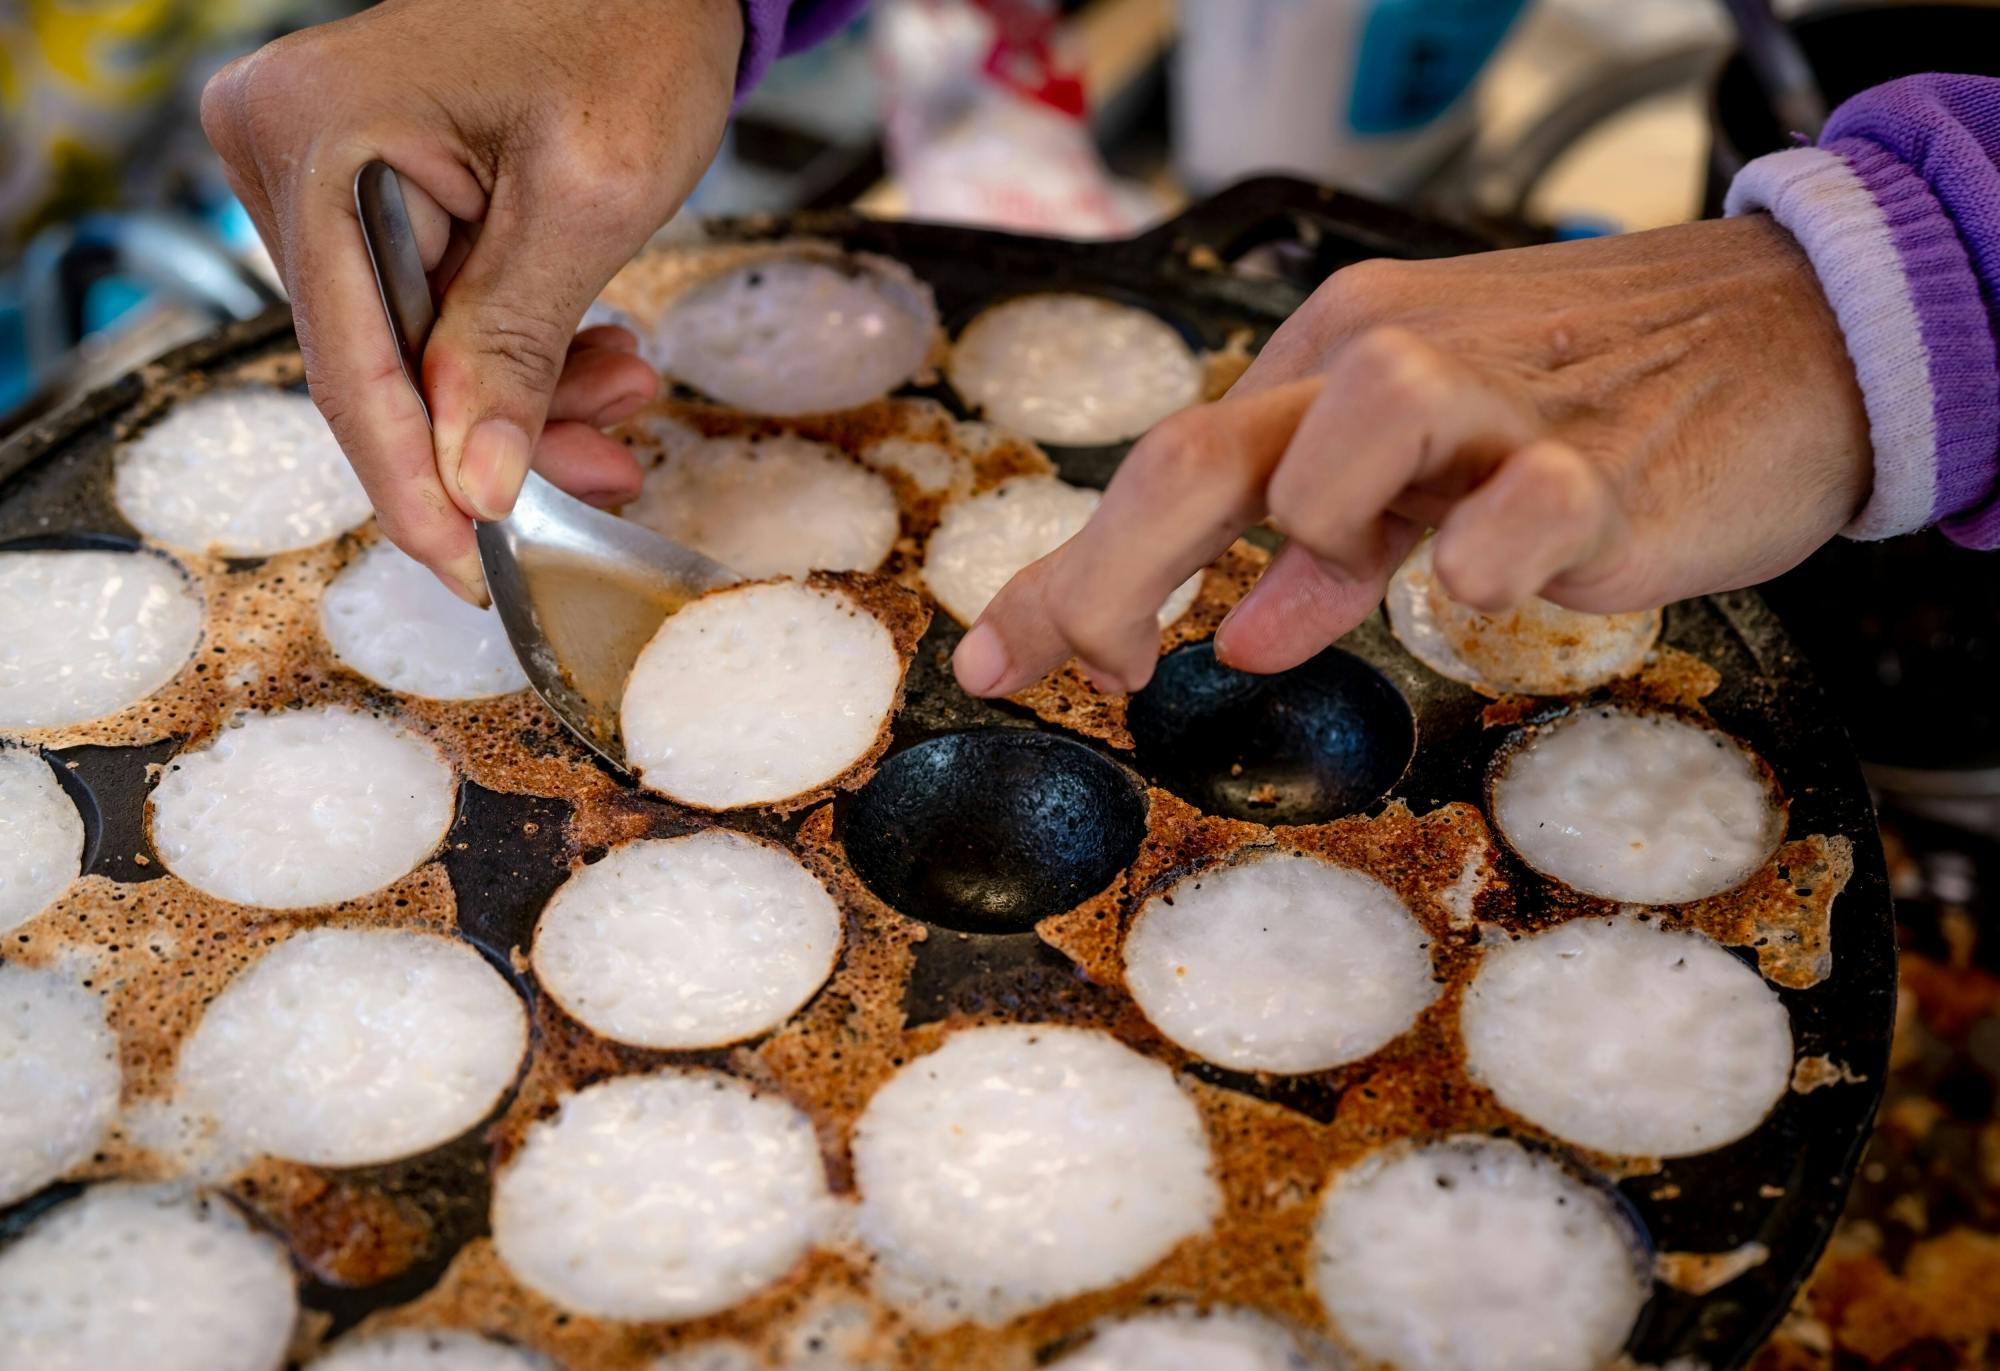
(772, 28)
(1899, 209)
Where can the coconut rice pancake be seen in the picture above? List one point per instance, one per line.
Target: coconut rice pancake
(1074, 369)
(1475, 1254)
(772, 506)
(350, 1046)
(797, 334)
(1643, 808)
(142, 1276)
(981, 542)
(1279, 963)
(387, 617)
(1538, 648)
(41, 837)
(661, 1197)
(755, 693)
(1182, 1339)
(85, 633)
(1624, 1036)
(943, 1153)
(59, 1077)
(242, 472)
(302, 808)
(687, 942)
(415, 1349)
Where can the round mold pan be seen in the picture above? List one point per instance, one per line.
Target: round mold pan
(1327, 738)
(1783, 1185)
(990, 830)
(1081, 464)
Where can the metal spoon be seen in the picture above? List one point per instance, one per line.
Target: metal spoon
(579, 591)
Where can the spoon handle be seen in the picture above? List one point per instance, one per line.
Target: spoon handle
(399, 267)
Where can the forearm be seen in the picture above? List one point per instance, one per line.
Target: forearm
(1899, 209)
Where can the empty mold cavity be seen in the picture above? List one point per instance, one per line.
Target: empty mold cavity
(989, 830)
(1327, 738)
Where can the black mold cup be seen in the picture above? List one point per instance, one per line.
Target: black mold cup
(992, 829)
(1329, 737)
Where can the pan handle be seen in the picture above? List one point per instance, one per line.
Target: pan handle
(1331, 227)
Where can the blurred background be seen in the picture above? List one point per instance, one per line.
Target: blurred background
(1523, 120)
(1528, 118)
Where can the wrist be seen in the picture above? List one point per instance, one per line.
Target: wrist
(1899, 281)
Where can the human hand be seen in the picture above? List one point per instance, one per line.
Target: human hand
(539, 144)
(1612, 424)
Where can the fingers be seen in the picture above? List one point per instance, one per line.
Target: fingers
(1187, 489)
(614, 336)
(356, 376)
(1302, 603)
(503, 339)
(597, 470)
(1543, 513)
(602, 384)
(1393, 414)
(1350, 466)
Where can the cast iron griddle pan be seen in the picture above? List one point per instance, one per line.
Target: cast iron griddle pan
(923, 832)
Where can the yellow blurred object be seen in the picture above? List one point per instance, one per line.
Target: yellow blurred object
(81, 81)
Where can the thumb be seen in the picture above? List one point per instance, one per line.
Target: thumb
(503, 330)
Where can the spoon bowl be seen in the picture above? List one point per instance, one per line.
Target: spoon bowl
(580, 592)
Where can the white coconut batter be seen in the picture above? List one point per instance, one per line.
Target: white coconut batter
(84, 634)
(130, 1276)
(1624, 1037)
(687, 942)
(1474, 1254)
(41, 837)
(757, 693)
(932, 467)
(981, 543)
(835, 1332)
(1538, 648)
(58, 1076)
(798, 335)
(1023, 1164)
(302, 808)
(666, 1196)
(778, 506)
(386, 616)
(350, 1046)
(418, 1349)
(1281, 963)
(1074, 369)
(241, 473)
(1642, 808)
(1184, 1339)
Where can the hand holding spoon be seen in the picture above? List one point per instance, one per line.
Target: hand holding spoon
(579, 591)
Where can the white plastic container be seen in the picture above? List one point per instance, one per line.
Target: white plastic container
(1366, 95)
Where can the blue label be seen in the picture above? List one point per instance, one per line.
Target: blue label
(1417, 57)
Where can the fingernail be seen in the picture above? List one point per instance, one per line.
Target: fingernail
(981, 660)
(466, 578)
(494, 464)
